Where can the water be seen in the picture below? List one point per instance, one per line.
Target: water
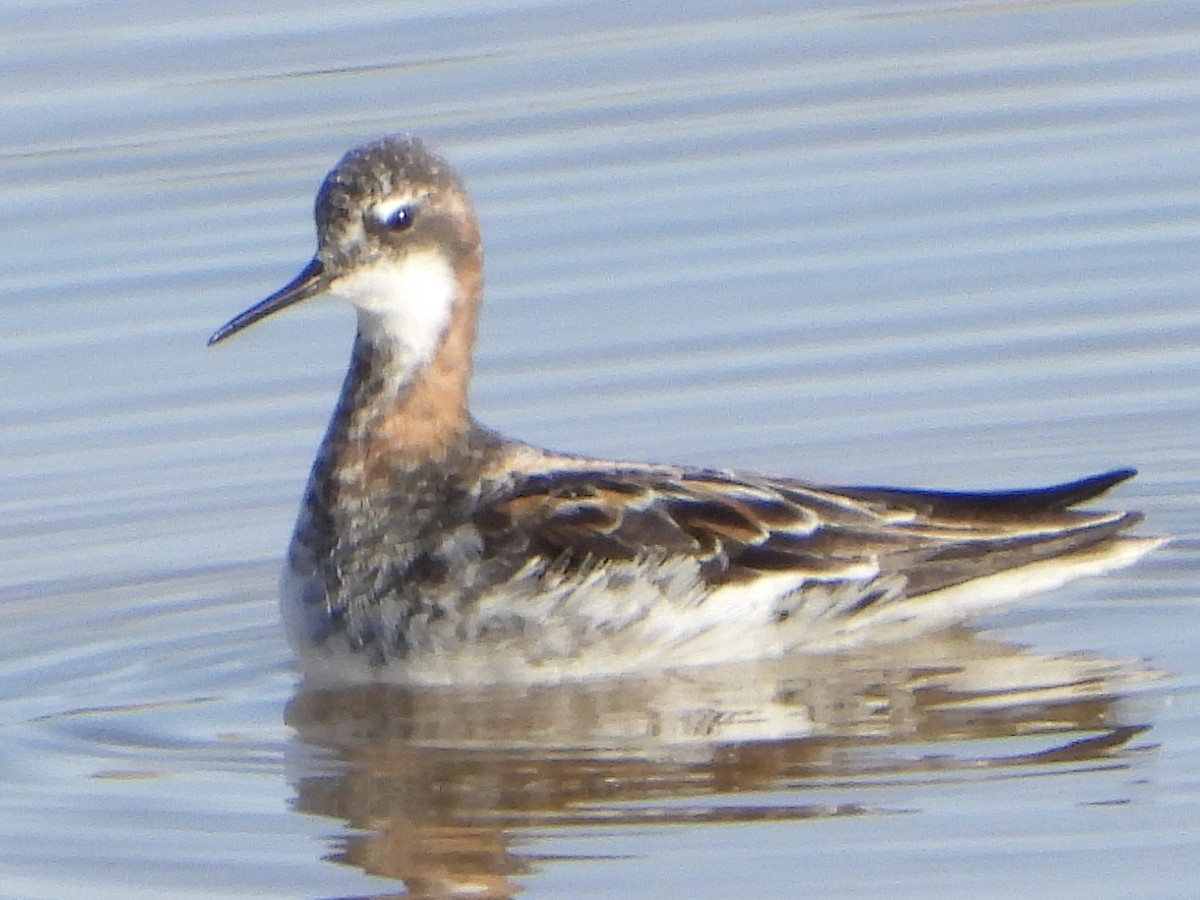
(949, 245)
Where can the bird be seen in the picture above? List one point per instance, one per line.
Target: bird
(431, 549)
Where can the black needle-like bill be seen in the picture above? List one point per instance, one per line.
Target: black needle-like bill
(310, 282)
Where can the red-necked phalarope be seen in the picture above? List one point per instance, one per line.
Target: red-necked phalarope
(431, 549)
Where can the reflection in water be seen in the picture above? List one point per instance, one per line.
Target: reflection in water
(438, 778)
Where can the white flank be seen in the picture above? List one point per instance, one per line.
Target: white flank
(585, 629)
(897, 621)
(406, 303)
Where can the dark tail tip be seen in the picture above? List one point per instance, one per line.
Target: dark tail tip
(1062, 496)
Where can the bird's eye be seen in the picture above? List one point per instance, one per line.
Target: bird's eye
(399, 219)
(396, 218)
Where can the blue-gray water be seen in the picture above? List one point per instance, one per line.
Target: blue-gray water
(950, 245)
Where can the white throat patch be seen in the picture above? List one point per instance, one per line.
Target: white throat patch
(406, 303)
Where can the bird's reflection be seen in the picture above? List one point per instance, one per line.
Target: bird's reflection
(434, 781)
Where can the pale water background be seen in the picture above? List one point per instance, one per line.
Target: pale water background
(939, 244)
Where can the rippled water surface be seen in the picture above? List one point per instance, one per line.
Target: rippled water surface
(945, 244)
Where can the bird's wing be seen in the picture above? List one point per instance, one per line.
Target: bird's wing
(739, 527)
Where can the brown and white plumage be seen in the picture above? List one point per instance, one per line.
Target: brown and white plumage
(431, 549)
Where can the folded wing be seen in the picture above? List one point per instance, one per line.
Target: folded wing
(737, 528)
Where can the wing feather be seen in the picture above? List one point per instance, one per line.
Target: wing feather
(740, 527)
